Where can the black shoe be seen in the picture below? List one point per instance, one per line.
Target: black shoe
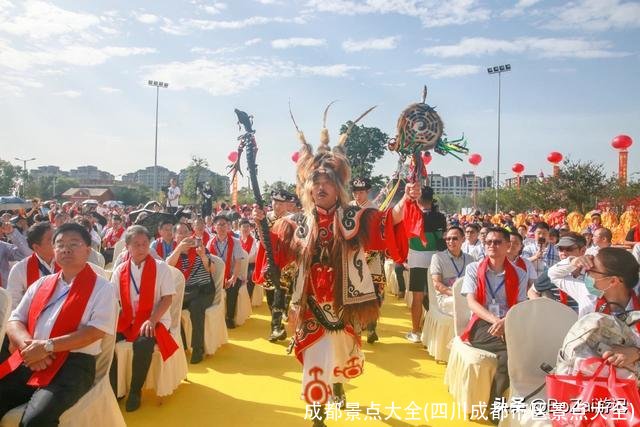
(278, 335)
(133, 402)
(197, 356)
(372, 337)
(339, 397)
(231, 324)
(400, 295)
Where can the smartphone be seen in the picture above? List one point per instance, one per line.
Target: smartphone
(198, 242)
(542, 241)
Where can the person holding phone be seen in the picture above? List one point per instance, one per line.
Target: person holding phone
(542, 253)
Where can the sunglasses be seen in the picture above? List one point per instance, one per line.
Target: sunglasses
(454, 239)
(493, 242)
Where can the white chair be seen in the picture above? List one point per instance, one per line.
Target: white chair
(117, 249)
(257, 298)
(470, 371)
(215, 327)
(243, 306)
(534, 332)
(163, 376)
(97, 408)
(437, 330)
(5, 310)
(100, 271)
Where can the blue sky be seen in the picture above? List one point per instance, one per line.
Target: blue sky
(73, 77)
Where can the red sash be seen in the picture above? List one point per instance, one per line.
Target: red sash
(128, 325)
(67, 321)
(247, 245)
(636, 234)
(511, 288)
(520, 263)
(603, 307)
(192, 259)
(413, 219)
(160, 248)
(214, 250)
(113, 237)
(33, 269)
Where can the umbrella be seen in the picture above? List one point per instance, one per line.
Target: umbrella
(10, 203)
(101, 219)
(153, 220)
(91, 202)
(112, 204)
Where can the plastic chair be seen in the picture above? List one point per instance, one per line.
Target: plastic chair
(97, 408)
(163, 376)
(437, 330)
(534, 332)
(215, 327)
(243, 307)
(470, 371)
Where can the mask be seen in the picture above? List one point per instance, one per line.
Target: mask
(590, 284)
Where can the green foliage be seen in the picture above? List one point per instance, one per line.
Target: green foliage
(133, 195)
(278, 185)
(8, 176)
(49, 187)
(188, 190)
(364, 147)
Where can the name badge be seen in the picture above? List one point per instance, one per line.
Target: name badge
(494, 308)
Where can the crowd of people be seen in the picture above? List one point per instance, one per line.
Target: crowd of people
(328, 243)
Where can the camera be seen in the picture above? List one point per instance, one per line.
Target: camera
(542, 241)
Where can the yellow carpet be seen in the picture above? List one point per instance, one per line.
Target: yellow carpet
(251, 382)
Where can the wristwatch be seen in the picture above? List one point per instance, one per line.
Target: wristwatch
(48, 346)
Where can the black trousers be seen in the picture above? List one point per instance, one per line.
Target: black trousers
(197, 303)
(232, 299)
(250, 284)
(142, 353)
(107, 253)
(482, 339)
(277, 302)
(46, 405)
(399, 269)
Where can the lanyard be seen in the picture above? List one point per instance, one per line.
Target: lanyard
(464, 264)
(167, 249)
(43, 269)
(221, 254)
(133, 281)
(491, 291)
(550, 255)
(51, 304)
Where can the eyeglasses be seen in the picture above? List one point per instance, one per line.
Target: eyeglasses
(567, 249)
(71, 246)
(493, 242)
(452, 239)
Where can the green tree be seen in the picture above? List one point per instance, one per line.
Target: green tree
(365, 146)
(9, 174)
(581, 183)
(49, 187)
(277, 185)
(133, 195)
(192, 180)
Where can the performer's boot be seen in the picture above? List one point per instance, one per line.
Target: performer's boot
(372, 336)
(319, 420)
(278, 333)
(339, 397)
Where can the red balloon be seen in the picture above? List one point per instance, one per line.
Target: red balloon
(517, 168)
(295, 156)
(621, 142)
(475, 159)
(554, 157)
(426, 158)
(233, 156)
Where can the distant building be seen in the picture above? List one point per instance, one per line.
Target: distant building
(99, 194)
(91, 175)
(459, 185)
(145, 177)
(46, 171)
(513, 181)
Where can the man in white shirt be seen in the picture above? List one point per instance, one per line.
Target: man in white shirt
(39, 264)
(542, 253)
(601, 239)
(137, 277)
(472, 244)
(514, 255)
(173, 196)
(73, 310)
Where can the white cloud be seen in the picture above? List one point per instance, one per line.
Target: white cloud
(107, 89)
(432, 13)
(297, 42)
(519, 8)
(14, 83)
(69, 93)
(40, 20)
(220, 77)
(185, 26)
(596, 15)
(386, 43)
(147, 18)
(214, 8)
(251, 42)
(543, 47)
(438, 71)
(269, 1)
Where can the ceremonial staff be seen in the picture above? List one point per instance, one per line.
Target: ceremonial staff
(248, 142)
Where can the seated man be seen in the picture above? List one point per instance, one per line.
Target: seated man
(447, 267)
(111, 237)
(492, 287)
(55, 334)
(472, 244)
(145, 290)
(515, 256)
(199, 289)
(601, 239)
(164, 245)
(229, 248)
(40, 263)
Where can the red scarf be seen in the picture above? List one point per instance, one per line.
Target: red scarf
(33, 269)
(520, 263)
(511, 288)
(67, 321)
(160, 248)
(214, 250)
(113, 236)
(247, 245)
(603, 307)
(128, 325)
(191, 255)
(636, 234)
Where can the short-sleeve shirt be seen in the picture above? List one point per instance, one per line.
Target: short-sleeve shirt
(476, 250)
(164, 286)
(99, 313)
(17, 282)
(449, 267)
(550, 256)
(173, 196)
(494, 280)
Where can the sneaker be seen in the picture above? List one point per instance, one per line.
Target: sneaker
(231, 324)
(278, 335)
(133, 402)
(413, 337)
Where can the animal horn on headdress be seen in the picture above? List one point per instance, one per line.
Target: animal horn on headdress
(345, 136)
(324, 133)
(306, 149)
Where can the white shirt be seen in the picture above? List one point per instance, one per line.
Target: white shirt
(560, 275)
(17, 282)
(476, 250)
(636, 251)
(532, 274)
(164, 286)
(173, 196)
(99, 313)
(449, 267)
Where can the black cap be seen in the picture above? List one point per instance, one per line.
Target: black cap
(281, 195)
(360, 183)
